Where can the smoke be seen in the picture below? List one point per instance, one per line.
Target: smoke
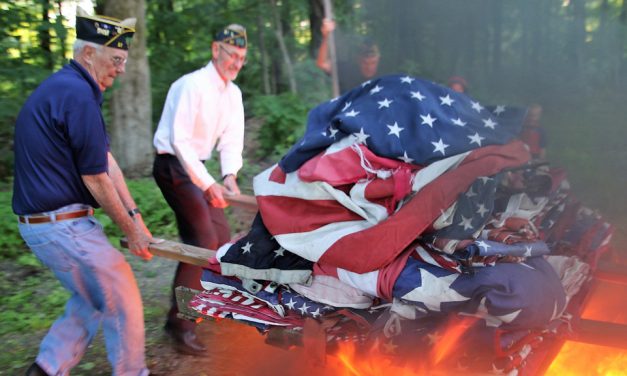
(570, 57)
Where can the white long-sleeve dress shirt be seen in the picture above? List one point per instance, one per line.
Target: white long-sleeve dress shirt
(202, 112)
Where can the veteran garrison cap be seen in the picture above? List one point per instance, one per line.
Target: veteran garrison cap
(234, 34)
(107, 31)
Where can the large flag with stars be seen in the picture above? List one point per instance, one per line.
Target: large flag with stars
(405, 118)
(375, 168)
(505, 295)
(397, 189)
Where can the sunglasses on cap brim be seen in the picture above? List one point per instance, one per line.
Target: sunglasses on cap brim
(236, 40)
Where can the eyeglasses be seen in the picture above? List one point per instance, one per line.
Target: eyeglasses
(233, 56)
(237, 40)
(118, 61)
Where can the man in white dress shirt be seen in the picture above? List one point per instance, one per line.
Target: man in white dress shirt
(203, 111)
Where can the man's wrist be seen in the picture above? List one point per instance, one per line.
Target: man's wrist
(227, 175)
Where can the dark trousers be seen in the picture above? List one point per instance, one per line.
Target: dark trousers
(199, 224)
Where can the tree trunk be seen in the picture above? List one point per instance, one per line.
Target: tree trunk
(263, 52)
(578, 34)
(289, 69)
(316, 13)
(130, 128)
(61, 31)
(44, 35)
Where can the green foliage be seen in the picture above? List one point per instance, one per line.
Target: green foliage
(314, 86)
(156, 213)
(23, 64)
(284, 122)
(11, 244)
(21, 304)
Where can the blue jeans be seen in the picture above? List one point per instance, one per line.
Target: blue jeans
(104, 292)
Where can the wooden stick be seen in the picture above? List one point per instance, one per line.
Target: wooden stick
(188, 253)
(242, 201)
(178, 251)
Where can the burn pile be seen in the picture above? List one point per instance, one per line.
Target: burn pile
(410, 216)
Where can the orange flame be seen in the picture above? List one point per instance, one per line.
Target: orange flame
(589, 360)
(606, 303)
(349, 361)
(455, 329)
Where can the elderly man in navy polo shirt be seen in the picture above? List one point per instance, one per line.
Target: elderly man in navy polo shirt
(64, 169)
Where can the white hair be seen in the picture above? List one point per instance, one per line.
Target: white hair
(236, 27)
(79, 44)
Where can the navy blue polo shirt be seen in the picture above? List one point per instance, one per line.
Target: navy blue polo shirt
(59, 135)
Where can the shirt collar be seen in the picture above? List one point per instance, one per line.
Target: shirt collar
(75, 65)
(215, 78)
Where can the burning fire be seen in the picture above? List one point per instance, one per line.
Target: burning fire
(588, 360)
(576, 359)
(606, 303)
(350, 361)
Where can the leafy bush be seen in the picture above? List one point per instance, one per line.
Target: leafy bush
(157, 215)
(284, 117)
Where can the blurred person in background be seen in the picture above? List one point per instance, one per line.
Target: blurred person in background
(352, 72)
(458, 84)
(532, 132)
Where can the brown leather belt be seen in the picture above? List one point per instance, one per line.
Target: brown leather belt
(36, 219)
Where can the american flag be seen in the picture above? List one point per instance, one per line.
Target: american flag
(374, 169)
(322, 223)
(506, 295)
(408, 119)
(394, 189)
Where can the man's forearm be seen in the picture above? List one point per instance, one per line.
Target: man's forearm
(102, 188)
(323, 59)
(117, 177)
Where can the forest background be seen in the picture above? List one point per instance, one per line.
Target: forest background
(570, 56)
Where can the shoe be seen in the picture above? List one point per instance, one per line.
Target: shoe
(185, 341)
(35, 370)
